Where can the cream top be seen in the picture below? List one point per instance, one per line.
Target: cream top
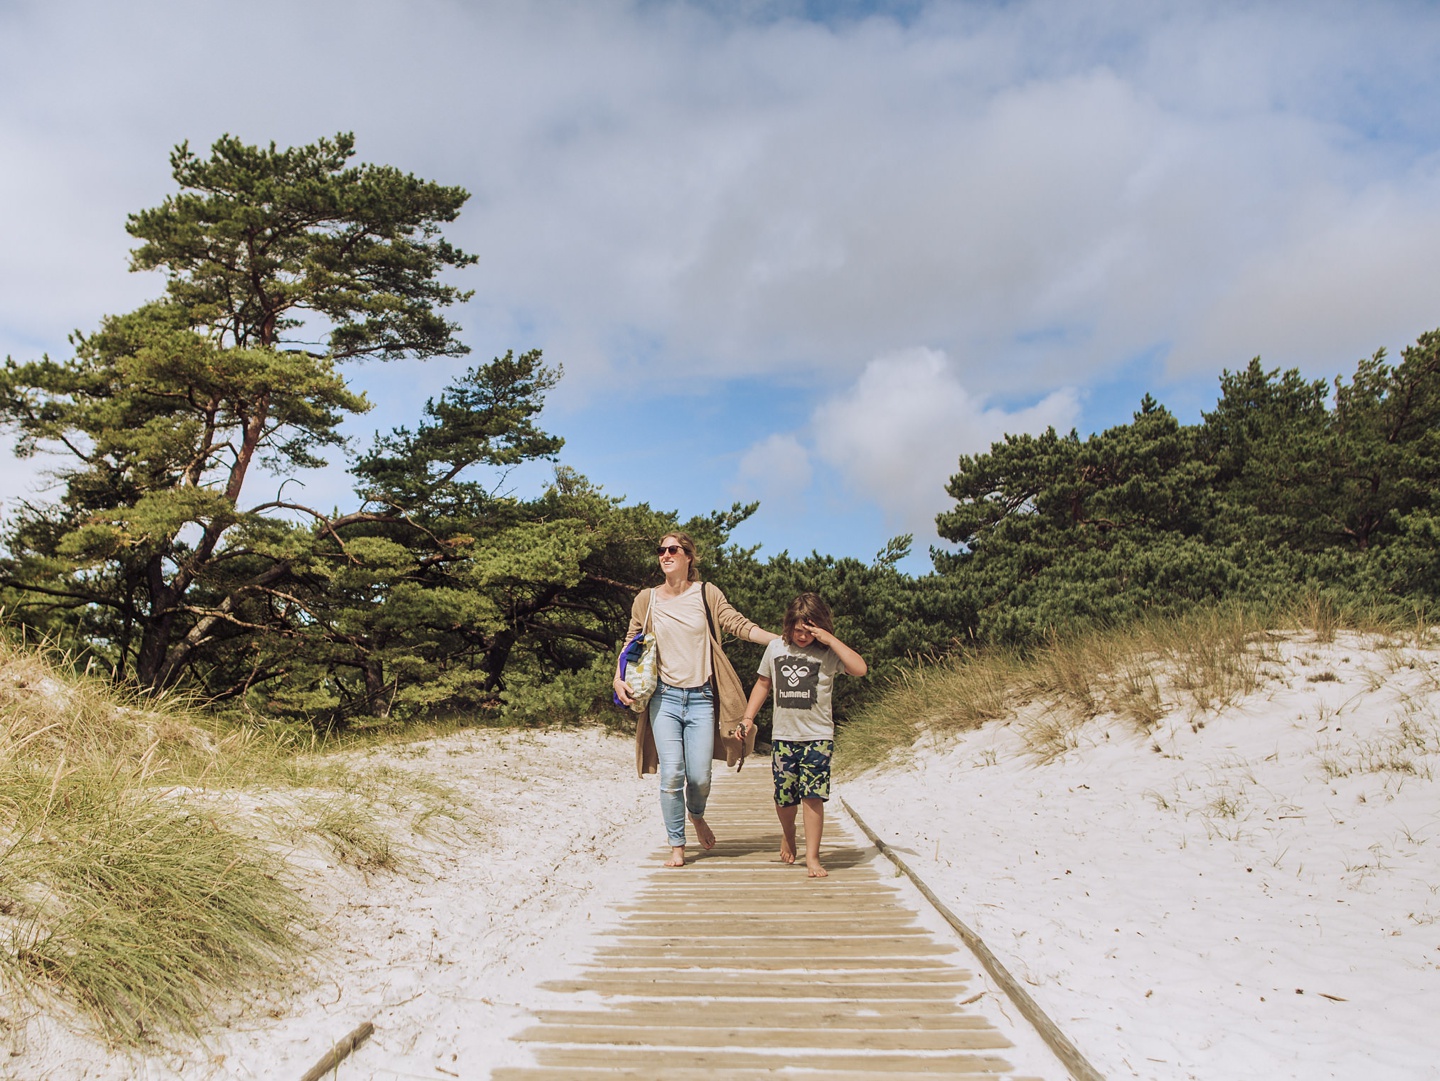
(681, 637)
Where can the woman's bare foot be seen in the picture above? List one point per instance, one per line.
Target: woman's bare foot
(787, 851)
(816, 871)
(703, 832)
(677, 856)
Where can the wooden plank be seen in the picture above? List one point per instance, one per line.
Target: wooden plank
(796, 895)
(718, 931)
(833, 1017)
(725, 982)
(871, 946)
(1079, 1066)
(772, 874)
(741, 928)
(798, 1040)
(797, 1071)
(704, 989)
(764, 961)
(791, 920)
(777, 905)
(937, 1064)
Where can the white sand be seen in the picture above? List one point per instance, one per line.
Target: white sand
(1250, 896)
(1244, 894)
(441, 956)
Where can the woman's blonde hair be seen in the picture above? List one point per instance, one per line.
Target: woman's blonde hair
(807, 608)
(686, 542)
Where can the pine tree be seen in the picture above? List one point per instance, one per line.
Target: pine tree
(281, 264)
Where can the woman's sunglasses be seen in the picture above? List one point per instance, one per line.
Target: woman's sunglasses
(671, 549)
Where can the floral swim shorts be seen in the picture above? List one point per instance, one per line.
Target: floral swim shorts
(802, 769)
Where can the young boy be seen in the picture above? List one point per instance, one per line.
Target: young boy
(801, 666)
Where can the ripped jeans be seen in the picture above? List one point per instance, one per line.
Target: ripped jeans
(682, 719)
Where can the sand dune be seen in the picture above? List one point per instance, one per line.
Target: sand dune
(1245, 892)
(1242, 893)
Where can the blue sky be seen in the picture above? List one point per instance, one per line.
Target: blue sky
(807, 253)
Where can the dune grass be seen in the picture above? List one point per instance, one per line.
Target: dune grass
(119, 897)
(1201, 662)
(131, 894)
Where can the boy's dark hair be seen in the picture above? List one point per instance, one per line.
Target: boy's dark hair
(807, 608)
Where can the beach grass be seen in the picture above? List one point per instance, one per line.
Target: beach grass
(136, 890)
(1200, 662)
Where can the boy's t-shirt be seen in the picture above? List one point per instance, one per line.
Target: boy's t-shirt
(801, 681)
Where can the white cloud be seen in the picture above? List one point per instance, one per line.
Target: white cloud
(1352, 276)
(896, 435)
(774, 470)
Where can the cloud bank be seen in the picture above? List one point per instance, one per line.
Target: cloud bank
(1043, 183)
(670, 194)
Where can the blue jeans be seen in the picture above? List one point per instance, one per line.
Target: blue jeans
(682, 720)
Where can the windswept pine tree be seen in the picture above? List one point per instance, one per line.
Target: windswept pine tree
(281, 266)
(435, 591)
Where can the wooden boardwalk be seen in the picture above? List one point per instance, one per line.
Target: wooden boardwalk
(740, 967)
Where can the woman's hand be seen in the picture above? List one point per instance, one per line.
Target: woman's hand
(623, 691)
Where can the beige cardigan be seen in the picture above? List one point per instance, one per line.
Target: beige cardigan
(729, 691)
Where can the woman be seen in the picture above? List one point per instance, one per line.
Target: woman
(699, 700)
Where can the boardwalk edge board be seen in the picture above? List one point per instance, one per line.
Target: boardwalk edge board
(1068, 1054)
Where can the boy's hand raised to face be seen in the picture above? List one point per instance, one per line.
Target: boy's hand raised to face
(820, 635)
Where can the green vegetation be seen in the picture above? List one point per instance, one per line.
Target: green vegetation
(1277, 493)
(433, 597)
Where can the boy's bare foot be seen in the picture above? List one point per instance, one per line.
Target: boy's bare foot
(787, 851)
(816, 871)
(677, 856)
(702, 831)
